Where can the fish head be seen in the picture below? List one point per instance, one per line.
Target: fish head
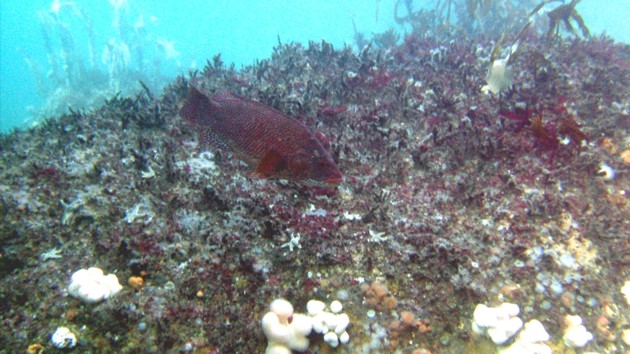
(332, 174)
(311, 167)
(324, 172)
(308, 163)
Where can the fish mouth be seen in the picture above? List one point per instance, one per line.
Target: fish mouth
(333, 181)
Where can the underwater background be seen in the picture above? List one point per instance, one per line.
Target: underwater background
(197, 30)
(446, 176)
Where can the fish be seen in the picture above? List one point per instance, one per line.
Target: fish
(273, 144)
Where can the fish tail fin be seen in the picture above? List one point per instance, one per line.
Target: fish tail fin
(196, 104)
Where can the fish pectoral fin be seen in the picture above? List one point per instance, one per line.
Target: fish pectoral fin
(299, 167)
(270, 165)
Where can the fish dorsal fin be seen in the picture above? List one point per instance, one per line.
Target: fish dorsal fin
(224, 96)
(270, 164)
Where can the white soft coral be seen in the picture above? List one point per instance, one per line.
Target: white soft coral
(284, 329)
(91, 285)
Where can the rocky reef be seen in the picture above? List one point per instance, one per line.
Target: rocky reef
(451, 197)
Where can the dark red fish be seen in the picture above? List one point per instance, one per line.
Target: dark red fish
(273, 144)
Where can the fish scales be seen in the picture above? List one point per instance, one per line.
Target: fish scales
(272, 143)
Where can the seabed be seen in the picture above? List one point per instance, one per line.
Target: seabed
(452, 197)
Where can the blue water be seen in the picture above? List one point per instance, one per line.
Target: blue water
(242, 31)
